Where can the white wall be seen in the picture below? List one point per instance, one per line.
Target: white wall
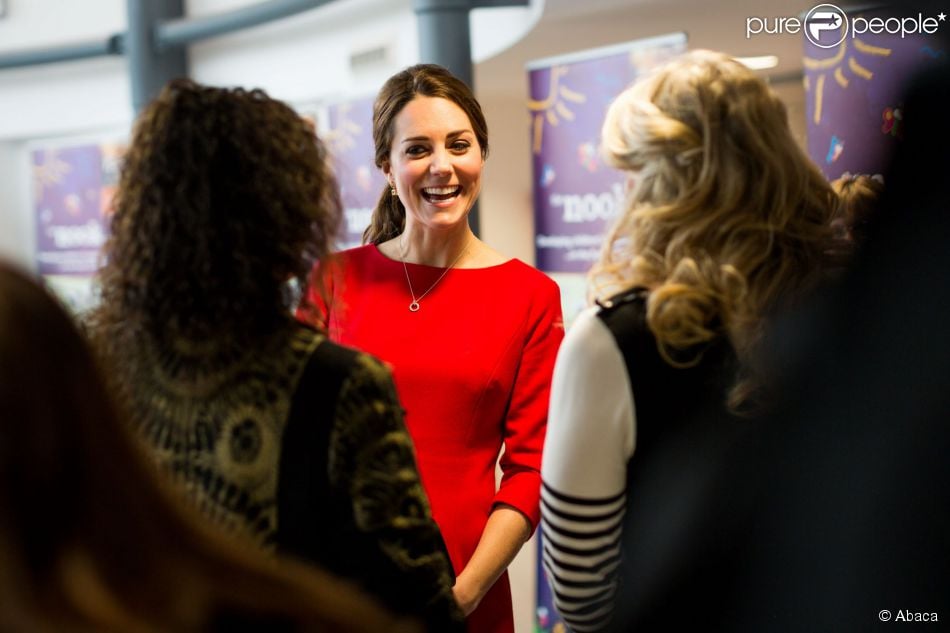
(16, 229)
(299, 59)
(61, 98)
(507, 215)
(307, 57)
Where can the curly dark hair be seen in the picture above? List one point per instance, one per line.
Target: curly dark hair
(225, 195)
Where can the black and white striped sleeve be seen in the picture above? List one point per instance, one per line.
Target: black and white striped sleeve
(591, 436)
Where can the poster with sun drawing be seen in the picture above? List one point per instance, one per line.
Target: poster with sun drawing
(73, 186)
(349, 138)
(853, 83)
(576, 196)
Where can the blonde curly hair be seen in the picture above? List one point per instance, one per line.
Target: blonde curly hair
(726, 219)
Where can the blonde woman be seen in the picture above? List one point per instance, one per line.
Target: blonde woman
(726, 221)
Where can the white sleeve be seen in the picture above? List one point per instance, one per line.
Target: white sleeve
(590, 438)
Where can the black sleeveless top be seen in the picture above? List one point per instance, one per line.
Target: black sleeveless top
(665, 397)
(683, 429)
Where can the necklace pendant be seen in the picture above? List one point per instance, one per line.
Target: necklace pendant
(414, 306)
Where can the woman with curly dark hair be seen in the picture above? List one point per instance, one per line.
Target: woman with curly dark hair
(225, 197)
(90, 539)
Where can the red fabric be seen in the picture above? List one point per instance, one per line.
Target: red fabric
(473, 371)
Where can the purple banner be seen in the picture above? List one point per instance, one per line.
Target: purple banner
(576, 196)
(853, 91)
(349, 137)
(546, 617)
(70, 207)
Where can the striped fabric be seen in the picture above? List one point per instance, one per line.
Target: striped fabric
(581, 554)
(591, 439)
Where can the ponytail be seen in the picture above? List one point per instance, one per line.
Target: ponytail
(388, 221)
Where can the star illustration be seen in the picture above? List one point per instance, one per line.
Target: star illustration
(942, 17)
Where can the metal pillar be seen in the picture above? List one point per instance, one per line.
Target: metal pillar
(444, 35)
(149, 67)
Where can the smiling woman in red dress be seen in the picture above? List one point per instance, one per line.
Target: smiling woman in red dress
(471, 335)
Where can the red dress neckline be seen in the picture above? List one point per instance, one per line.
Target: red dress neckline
(374, 248)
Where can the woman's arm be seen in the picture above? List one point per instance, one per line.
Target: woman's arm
(504, 534)
(591, 437)
(516, 507)
(526, 421)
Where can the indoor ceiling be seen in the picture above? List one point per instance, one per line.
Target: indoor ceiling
(572, 25)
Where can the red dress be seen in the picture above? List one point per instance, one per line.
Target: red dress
(473, 371)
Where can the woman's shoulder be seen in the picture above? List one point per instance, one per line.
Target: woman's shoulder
(624, 315)
(530, 279)
(588, 327)
(356, 253)
(360, 264)
(629, 299)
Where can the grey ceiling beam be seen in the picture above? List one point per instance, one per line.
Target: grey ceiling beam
(113, 45)
(180, 32)
(156, 39)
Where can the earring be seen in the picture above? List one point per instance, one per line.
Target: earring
(392, 190)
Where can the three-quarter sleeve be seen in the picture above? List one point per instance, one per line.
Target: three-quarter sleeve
(526, 419)
(591, 437)
(372, 461)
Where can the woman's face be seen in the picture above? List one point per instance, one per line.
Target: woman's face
(435, 162)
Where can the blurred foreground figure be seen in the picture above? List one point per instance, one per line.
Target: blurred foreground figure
(89, 539)
(852, 520)
(273, 431)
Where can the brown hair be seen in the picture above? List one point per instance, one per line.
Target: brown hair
(427, 80)
(726, 220)
(225, 195)
(859, 196)
(89, 537)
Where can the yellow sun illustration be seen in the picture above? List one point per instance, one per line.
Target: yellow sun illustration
(50, 171)
(835, 65)
(553, 108)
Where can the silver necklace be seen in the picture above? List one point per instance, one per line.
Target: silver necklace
(414, 306)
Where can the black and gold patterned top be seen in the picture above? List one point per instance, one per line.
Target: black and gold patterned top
(300, 445)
